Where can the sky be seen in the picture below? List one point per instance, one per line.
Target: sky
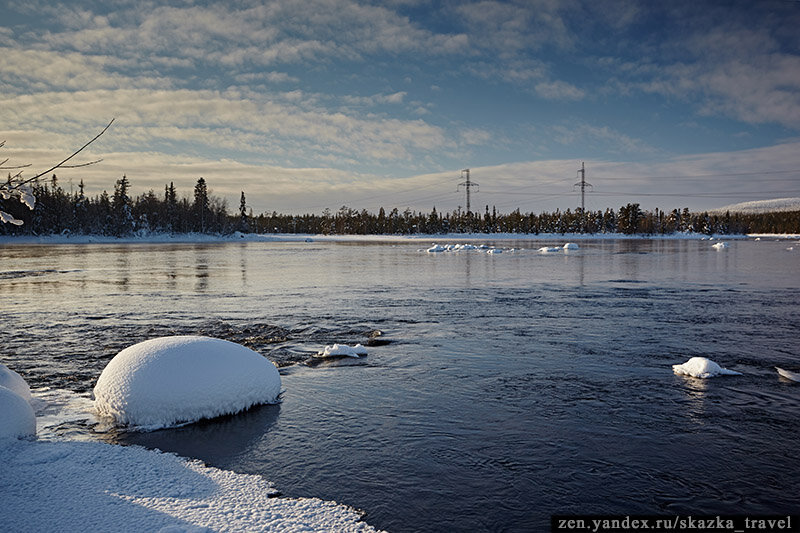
(312, 104)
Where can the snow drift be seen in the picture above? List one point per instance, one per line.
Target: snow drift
(172, 380)
(700, 367)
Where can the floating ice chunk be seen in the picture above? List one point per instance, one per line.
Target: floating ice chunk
(788, 374)
(17, 419)
(720, 245)
(436, 248)
(701, 367)
(494, 251)
(171, 380)
(14, 382)
(570, 246)
(342, 350)
(549, 249)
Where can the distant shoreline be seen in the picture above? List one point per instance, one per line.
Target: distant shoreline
(196, 238)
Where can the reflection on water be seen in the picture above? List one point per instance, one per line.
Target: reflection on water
(213, 440)
(514, 386)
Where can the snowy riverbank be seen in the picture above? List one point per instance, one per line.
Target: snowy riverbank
(51, 483)
(92, 486)
(189, 238)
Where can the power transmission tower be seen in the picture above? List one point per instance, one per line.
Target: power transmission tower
(467, 185)
(582, 184)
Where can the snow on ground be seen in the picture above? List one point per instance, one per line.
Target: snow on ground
(701, 367)
(342, 350)
(171, 380)
(61, 485)
(92, 486)
(761, 206)
(155, 238)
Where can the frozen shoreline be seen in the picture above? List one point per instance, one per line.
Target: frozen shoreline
(54, 482)
(194, 238)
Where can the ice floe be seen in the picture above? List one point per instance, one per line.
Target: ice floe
(788, 374)
(343, 350)
(173, 380)
(701, 367)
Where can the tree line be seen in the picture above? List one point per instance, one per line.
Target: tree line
(58, 211)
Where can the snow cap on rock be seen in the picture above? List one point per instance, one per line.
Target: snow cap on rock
(13, 381)
(171, 380)
(700, 367)
(17, 419)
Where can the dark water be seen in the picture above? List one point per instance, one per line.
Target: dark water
(505, 388)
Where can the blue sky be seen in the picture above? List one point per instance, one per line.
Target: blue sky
(322, 103)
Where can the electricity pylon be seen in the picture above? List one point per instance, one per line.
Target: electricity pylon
(467, 185)
(582, 184)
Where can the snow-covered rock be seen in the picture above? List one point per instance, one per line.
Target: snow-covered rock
(13, 381)
(436, 248)
(570, 246)
(549, 249)
(17, 419)
(171, 380)
(788, 374)
(720, 245)
(342, 350)
(701, 367)
(494, 251)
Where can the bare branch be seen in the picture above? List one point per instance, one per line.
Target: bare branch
(79, 165)
(76, 152)
(13, 167)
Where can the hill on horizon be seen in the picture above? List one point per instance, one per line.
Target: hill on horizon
(761, 206)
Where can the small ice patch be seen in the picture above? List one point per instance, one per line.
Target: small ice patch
(701, 367)
(788, 374)
(342, 350)
(720, 245)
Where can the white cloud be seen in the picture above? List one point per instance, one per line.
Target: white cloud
(559, 90)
